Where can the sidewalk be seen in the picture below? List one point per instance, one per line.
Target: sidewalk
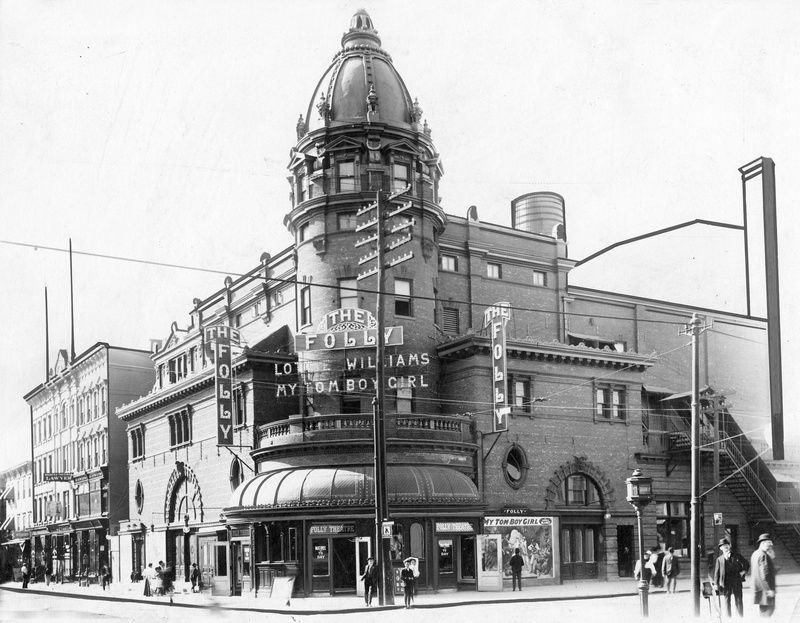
(587, 589)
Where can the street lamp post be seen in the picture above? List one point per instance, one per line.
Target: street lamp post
(640, 494)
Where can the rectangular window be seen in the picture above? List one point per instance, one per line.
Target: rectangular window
(305, 306)
(347, 176)
(539, 278)
(180, 430)
(348, 293)
(405, 397)
(399, 177)
(346, 221)
(351, 404)
(519, 391)
(672, 526)
(302, 187)
(239, 413)
(494, 271)
(449, 263)
(450, 320)
(402, 298)
(610, 403)
(137, 444)
(291, 555)
(576, 490)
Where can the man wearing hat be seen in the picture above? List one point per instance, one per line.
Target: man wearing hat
(728, 577)
(763, 571)
(370, 578)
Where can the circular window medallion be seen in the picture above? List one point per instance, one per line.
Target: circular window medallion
(515, 466)
(139, 497)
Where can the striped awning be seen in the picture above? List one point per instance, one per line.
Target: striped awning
(8, 523)
(7, 494)
(315, 487)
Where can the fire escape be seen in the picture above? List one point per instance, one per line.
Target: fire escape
(742, 468)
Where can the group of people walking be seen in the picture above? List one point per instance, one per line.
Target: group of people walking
(727, 573)
(158, 581)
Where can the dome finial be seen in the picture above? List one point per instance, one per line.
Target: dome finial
(362, 31)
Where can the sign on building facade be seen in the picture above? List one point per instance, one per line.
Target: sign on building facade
(221, 338)
(534, 538)
(496, 317)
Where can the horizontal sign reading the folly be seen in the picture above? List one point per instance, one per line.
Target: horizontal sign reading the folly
(496, 318)
(348, 327)
(222, 337)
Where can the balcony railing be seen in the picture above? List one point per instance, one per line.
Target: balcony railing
(358, 426)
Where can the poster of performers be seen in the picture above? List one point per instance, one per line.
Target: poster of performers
(534, 538)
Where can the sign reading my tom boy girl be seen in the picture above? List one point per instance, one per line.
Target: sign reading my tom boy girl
(496, 317)
(221, 337)
(348, 327)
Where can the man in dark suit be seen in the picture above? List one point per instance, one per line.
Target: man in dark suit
(728, 577)
(763, 571)
(370, 578)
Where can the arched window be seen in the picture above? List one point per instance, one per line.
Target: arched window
(236, 473)
(515, 466)
(580, 490)
(417, 540)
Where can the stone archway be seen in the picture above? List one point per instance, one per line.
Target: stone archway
(183, 495)
(554, 493)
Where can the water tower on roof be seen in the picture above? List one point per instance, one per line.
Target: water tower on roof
(540, 213)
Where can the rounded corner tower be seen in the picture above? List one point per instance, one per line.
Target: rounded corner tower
(362, 134)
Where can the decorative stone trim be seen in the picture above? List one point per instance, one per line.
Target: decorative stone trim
(554, 494)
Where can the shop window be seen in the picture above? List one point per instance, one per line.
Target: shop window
(137, 444)
(515, 466)
(416, 543)
(319, 567)
(610, 403)
(580, 490)
(346, 173)
(346, 221)
(180, 430)
(445, 556)
(672, 526)
(396, 548)
(450, 320)
(519, 391)
(449, 263)
(399, 177)
(305, 305)
(540, 278)
(348, 293)
(494, 271)
(139, 497)
(402, 298)
(291, 555)
(239, 408)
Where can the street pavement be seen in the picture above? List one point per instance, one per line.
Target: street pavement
(612, 601)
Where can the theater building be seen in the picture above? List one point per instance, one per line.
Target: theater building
(79, 458)
(592, 385)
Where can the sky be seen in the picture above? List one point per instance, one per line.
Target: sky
(161, 131)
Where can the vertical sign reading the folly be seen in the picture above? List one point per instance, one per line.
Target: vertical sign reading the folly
(221, 338)
(496, 317)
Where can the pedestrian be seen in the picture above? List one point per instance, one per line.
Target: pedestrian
(149, 575)
(762, 569)
(167, 578)
(670, 568)
(48, 571)
(648, 568)
(656, 557)
(194, 578)
(370, 579)
(26, 574)
(158, 583)
(516, 564)
(728, 578)
(408, 579)
(105, 576)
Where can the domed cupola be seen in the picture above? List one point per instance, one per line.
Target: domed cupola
(361, 84)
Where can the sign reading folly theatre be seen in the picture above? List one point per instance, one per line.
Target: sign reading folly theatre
(351, 328)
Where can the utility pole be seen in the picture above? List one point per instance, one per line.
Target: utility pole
(695, 329)
(380, 222)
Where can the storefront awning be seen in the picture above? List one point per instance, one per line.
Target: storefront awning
(7, 494)
(7, 523)
(353, 486)
(13, 542)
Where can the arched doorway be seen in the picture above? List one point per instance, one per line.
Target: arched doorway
(183, 506)
(581, 494)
